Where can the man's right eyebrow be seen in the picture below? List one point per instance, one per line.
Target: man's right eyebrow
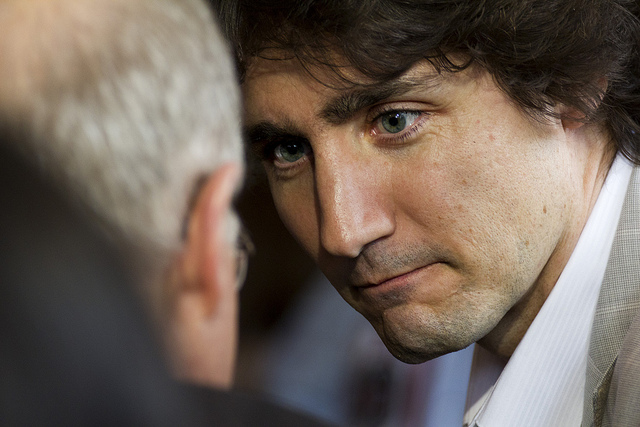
(341, 108)
(268, 131)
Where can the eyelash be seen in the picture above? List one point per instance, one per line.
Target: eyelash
(401, 137)
(266, 152)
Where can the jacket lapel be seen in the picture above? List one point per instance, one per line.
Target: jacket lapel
(618, 304)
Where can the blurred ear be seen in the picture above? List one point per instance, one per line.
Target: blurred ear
(202, 288)
(208, 257)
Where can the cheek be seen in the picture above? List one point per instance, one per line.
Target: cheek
(486, 200)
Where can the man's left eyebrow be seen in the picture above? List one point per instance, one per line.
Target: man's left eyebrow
(340, 109)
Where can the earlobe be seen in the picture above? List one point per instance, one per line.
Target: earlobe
(573, 118)
(570, 123)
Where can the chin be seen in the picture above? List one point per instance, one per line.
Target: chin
(417, 338)
(411, 353)
(412, 356)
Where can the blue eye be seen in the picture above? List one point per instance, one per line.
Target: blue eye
(290, 152)
(397, 121)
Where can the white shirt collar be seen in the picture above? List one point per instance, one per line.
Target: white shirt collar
(543, 382)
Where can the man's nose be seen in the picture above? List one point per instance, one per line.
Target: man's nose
(355, 206)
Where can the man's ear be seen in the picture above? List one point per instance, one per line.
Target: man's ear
(574, 119)
(208, 266)
(201, 290)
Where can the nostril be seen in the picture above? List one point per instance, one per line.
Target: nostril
(346, 228)
(340, 240)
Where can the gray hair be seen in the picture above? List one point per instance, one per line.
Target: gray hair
(127, 103)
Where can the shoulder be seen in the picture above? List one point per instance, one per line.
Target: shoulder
(238, 409)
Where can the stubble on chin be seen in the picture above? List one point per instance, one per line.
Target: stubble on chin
(416, 335)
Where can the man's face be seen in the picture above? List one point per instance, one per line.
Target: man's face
(432, 203)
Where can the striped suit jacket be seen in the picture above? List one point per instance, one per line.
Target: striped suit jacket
(612, 393)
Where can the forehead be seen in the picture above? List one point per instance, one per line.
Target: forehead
(280, 61)
(268, 82)
(274, 89)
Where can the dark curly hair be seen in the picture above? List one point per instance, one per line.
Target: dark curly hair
(584, 54)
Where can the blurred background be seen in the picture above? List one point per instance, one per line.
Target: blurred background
(278, 271)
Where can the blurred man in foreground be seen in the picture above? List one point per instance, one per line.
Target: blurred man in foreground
(131, 108)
